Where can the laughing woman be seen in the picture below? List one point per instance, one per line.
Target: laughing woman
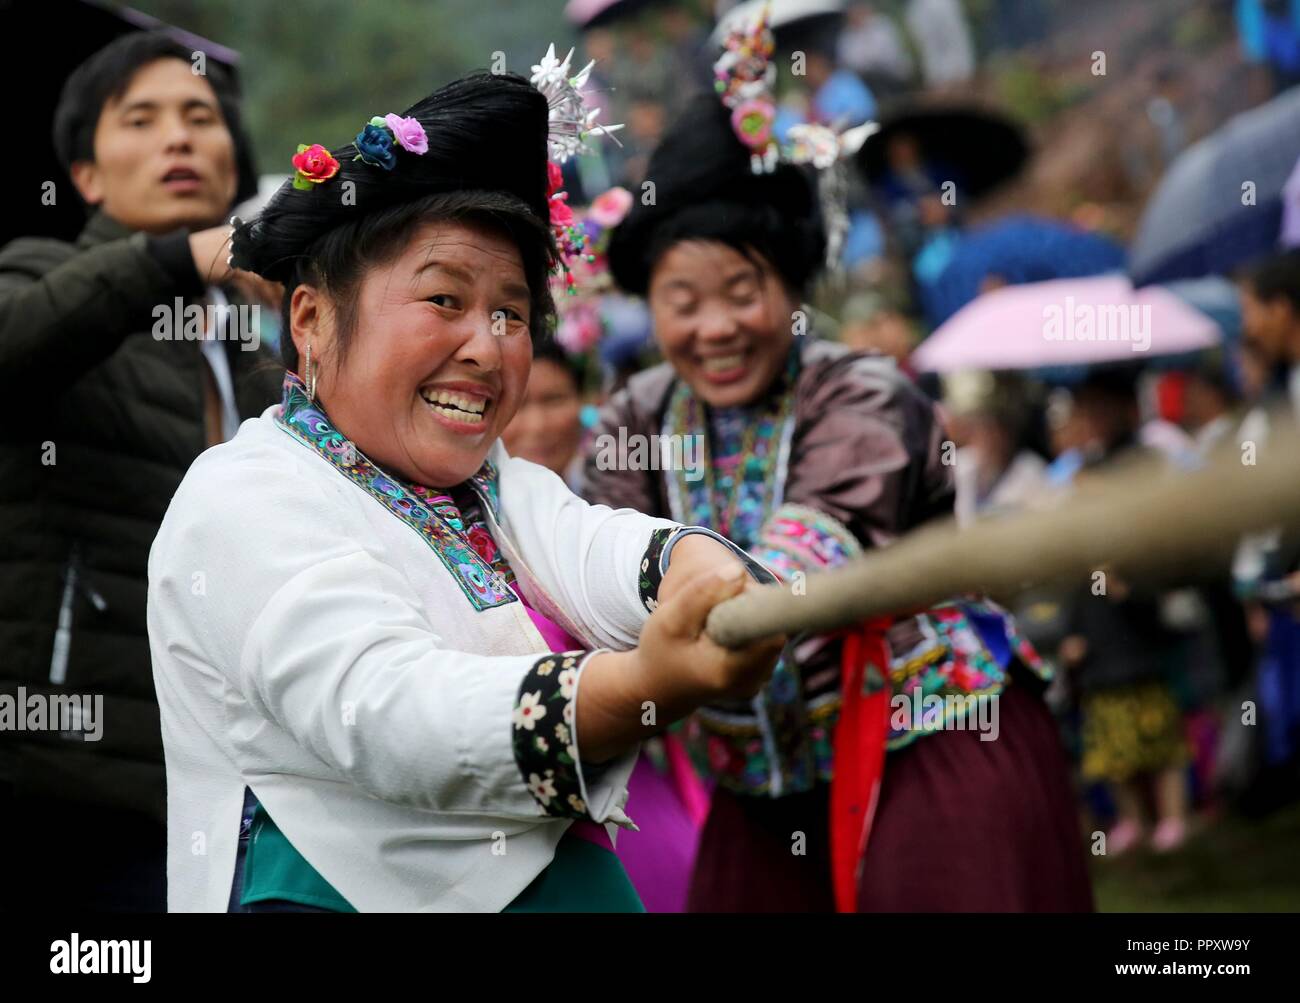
(815, 454)
(397, 669)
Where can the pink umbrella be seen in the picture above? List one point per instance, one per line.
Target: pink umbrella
(595, 13)
(1065, 322)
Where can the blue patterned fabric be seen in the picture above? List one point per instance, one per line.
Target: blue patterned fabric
(484, 587)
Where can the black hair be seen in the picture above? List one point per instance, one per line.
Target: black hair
(485, 161)
(704, 188)
(793, 248)
(549, 350)
(1116, 384)
(105, 77)
(1212, 371)
(337, 260)
(1276, 277)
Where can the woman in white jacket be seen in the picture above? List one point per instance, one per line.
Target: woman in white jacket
(397, 669)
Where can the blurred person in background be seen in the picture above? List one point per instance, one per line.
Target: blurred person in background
(645, 124)
(1067, 436)
(1269, 31)
(1270, 318)
(911, 192)
(1210, 403)
(1162, 423)
(547, 428)
(688, 47)
(1165, 111)
(838, 96)
(995, 471)
(872, 47)
(1223, 654)
(1267, 564)
(809, 455)
(943, 39)
(1121, 656)
(818, 88)
(1152, 143)
(871, 323)
(1191, 414)
(102, 418)
(643, 66)
(601, 45)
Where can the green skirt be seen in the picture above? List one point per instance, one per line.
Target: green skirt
(583, 877)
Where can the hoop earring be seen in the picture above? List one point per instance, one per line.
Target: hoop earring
(309, 377)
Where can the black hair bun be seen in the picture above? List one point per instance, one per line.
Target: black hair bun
(704, 187)
(486, 132)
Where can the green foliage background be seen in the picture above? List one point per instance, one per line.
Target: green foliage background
(315, 72)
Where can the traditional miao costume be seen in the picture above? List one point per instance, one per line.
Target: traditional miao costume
(842, 453)
(367, 686)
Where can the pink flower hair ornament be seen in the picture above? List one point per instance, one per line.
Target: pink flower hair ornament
(409, 133)
(374, 143)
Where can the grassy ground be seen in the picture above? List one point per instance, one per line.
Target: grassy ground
(1229, 865)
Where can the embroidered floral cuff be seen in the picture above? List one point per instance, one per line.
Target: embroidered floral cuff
(545, 736)
(652, 568)
(797, 538)
(654, 564)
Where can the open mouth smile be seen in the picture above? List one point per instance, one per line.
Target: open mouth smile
(724, 368)
(456, 406)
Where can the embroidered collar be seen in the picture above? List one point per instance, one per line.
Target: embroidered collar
(745, 457)
(483, 586)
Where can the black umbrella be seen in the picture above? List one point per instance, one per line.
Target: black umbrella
(982, 148)
(83, 28)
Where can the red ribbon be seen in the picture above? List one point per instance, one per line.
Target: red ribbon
(860, 737)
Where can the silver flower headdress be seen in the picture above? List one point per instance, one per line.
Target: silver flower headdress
(571, 125)
(571, 121)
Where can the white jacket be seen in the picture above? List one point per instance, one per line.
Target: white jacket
(308, 643)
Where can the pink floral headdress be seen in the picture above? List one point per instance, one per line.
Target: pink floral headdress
(377, 144)
(572, 125)
(745, 79)
(580, 325)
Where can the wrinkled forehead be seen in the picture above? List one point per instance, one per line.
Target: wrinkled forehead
(474, 251)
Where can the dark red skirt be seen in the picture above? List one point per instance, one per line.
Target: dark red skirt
(962, 826)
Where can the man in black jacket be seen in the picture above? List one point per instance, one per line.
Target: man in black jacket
(122, 357)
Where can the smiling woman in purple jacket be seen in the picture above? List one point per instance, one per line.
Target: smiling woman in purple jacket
(811, 455)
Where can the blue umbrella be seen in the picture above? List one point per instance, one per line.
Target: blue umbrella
(1201, 219)
(1016, 249)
